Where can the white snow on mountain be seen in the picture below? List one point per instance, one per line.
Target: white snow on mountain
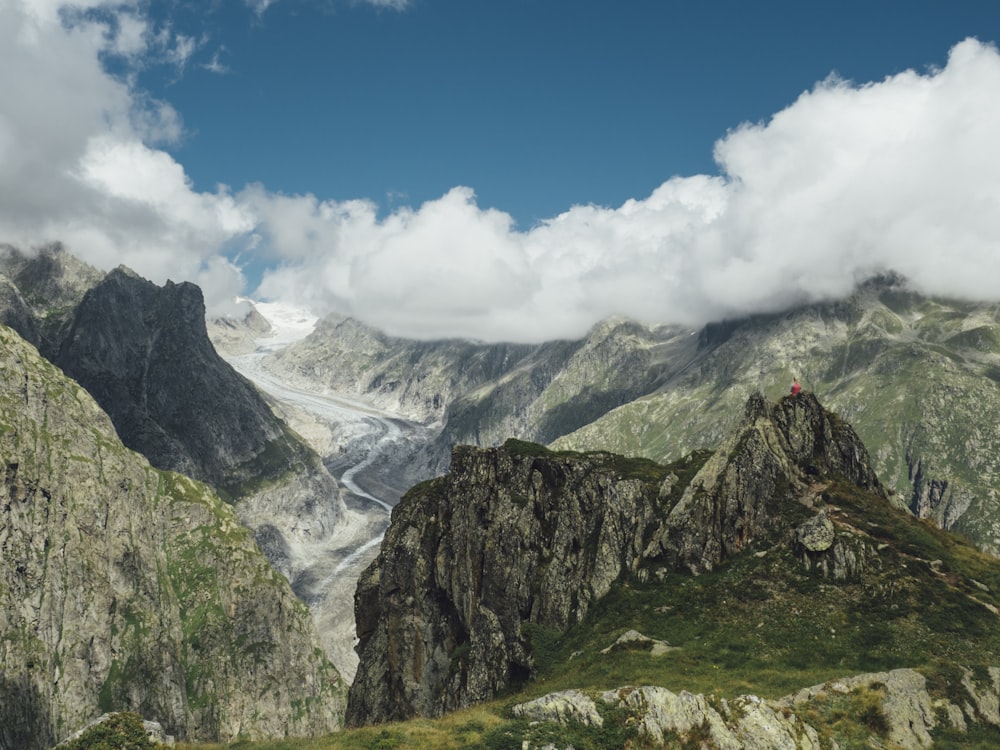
(289, 323)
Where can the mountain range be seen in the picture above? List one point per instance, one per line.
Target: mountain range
(674, 472)
(585, 594)
(919, 377)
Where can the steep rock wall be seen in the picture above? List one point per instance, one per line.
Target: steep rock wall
(126, 588)
(510, 537)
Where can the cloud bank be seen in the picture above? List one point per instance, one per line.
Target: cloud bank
(849, 180)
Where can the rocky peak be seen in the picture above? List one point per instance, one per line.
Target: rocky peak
(519, 537)
(43, 289)
(143, 352)
(49, 277)
(782, 455)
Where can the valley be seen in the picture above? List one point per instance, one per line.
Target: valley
(361, 446)
(641, 502)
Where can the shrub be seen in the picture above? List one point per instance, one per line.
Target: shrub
(120, 731)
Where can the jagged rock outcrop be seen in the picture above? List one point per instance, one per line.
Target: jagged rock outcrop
(897, 707)
(126, 588)
(511, 536)
(518, 536)
(762, 479)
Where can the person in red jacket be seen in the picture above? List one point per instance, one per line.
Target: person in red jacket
(796, 387)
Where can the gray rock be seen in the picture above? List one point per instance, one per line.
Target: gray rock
(757, 725)
(518, 536)
(511, 536)
(123, 587)
(660, 712)
(816, 534)
(773, 459)
(908, 708)
(985, 697)
(633, 639)
(569, 705)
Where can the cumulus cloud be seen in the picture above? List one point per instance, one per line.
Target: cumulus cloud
(850, 180)
(77, 156)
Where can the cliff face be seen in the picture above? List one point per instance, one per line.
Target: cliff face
(126, 588)
(512, 536)
(517, 536)
(144, 354)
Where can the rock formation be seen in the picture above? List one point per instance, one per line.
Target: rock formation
(519, 537)
(48, 285)
(897, 705)
(143, 353)
(126, 588)
(763, 477)
(511, 536)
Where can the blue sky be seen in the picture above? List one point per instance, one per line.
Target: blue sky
(516, 169)
(536, 104)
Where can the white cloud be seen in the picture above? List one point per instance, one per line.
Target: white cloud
(394, 4)
(850, 179)
(260, 6)
(76, 164)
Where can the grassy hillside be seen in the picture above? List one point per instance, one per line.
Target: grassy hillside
(763, 624)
